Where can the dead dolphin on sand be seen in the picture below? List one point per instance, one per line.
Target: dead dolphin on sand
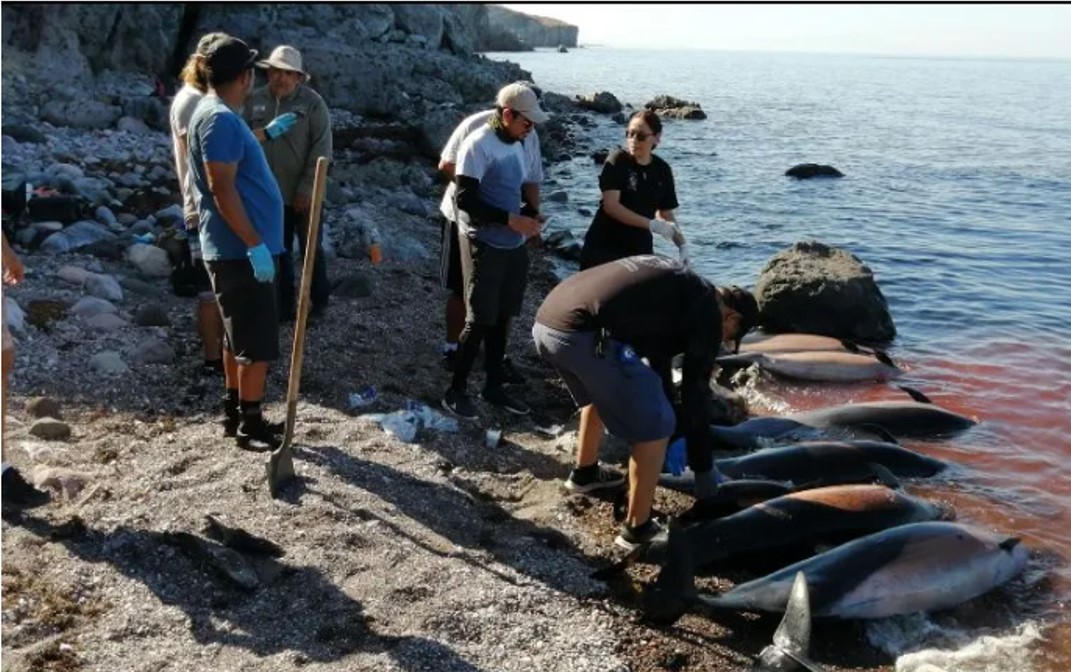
(828, 462)
(919, 417)
(818, 366)
(916, 567)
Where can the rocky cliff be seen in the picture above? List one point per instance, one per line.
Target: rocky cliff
(507, 30)
(87, 65)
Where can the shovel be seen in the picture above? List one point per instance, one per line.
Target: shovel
(281, 463)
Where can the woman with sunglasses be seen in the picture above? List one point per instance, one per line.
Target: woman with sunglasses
(638, 198)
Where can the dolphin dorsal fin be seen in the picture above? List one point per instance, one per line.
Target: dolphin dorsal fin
(1010, 543)
(793, 635)
(887, 477)
(916, 395)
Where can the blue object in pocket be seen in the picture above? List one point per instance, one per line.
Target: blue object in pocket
(676, 458)
(627, 355)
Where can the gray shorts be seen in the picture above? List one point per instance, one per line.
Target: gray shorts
(495, 280)
(626, 392)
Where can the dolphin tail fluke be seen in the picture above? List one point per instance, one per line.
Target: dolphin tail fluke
(673, 592)
(792, 639)
(916, 395)
(885, 476)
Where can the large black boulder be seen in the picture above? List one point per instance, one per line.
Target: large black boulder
(817, 289)
(806, 171)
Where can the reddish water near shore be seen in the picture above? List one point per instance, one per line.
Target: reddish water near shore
(1014, 468)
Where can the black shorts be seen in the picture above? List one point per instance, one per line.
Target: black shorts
(249, 308)
(200, 276)
(450, 260)
(495, 280)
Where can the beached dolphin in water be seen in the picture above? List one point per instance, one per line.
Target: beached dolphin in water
(819, 366)
(916, 567)
(794, 525)
(775, 343)
(829, 462)
(917, 418)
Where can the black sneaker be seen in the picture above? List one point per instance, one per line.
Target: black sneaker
(602, 478)
(231, 423)
(257, 435)
(460, 404)
(510, 374)
(496, 396)
(17, 493)
(633, 538)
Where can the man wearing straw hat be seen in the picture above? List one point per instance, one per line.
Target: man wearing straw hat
(295, 132)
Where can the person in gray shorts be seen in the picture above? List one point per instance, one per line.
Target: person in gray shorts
(597, 327)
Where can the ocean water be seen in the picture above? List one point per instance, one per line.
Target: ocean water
(958, 196)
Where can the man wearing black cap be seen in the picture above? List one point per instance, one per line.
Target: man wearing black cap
(597, 327)
(241, 230)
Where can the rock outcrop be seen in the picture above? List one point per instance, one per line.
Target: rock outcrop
(507, 30)
(806, 171)
(675, 108)
(814, 288)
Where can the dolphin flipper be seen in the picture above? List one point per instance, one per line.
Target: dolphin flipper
(849, 345)
(879, 431)
(916, 395)
(885, 359)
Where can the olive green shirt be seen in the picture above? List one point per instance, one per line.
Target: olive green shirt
(292, 156)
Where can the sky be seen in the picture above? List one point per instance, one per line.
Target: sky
(958, 29)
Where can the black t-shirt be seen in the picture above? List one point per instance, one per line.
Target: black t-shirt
(661, 309)
(644, 190)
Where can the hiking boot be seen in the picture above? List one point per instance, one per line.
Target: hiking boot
(634, 538)
(256, 434)
(231, 423)
(460, 404)
(17, 493)
(496, 396)
(587, 480)
(449, 360)
(510, 374)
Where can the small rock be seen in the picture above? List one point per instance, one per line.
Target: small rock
(149, 260)
(68, 483)
(14, 317)
(104, 286)
(88, 306)
(152, 315)
(132, 125)
(106, 322)
(41, 313)
(139, 287)
(108, 362)
(153, 351)
(559, 196)
(126, 218)
(51, 429)
(105, 216)
(73, 274)
(44, 407)
(170, 213)
(49, 227)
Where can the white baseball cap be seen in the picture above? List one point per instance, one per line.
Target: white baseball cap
(523, 99)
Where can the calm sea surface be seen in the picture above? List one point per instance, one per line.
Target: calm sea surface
(957, 195)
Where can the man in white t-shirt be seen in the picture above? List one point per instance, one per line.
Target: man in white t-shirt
(491, 172)
(206, 315)
(450, 259)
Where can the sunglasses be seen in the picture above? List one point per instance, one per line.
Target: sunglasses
(639, 135)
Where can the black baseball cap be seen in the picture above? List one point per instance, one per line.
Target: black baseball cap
(228, 57)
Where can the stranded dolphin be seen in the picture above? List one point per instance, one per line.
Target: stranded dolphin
(796, 343)
(917, 418)
(820, 366)
(916, 567)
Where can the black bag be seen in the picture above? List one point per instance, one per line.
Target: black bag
(14, 195)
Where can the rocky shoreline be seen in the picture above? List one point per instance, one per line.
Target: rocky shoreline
(445, 553)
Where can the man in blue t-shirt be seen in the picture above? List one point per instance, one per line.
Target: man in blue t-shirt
(490, 175)
(241, 229)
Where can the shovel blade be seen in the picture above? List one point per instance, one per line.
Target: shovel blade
(280, 469)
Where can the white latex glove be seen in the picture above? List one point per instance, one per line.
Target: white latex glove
(686, 254)
(667, 230)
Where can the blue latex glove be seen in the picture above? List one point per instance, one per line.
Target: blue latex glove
(280, 125)
(263, 264)
(676, 458)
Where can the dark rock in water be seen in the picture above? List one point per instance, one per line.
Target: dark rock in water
(24, 133)
(619, 118)
(559, 196)
(599, 156)
(583, 211)
(817, 289)
(562, 49)
(355, 286)
(808, 170)
(563, 244)
(675, 108)
(603, 102)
